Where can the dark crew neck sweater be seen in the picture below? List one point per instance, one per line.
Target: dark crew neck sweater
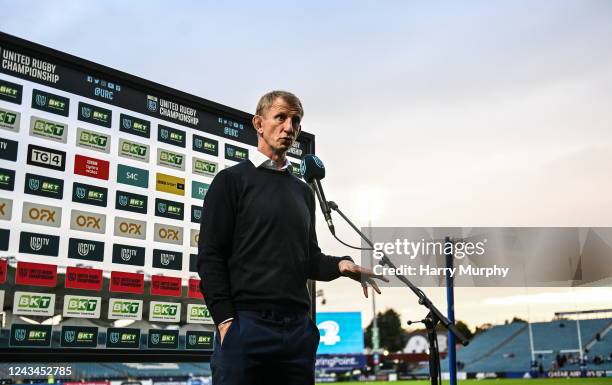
(258, 244)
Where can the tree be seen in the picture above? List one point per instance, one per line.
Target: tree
(441, 329)
(390, 331)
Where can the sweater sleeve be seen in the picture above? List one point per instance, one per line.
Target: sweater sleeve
(322, 267)
(215, 246)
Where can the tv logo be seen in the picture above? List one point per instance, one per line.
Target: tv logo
(331, 330)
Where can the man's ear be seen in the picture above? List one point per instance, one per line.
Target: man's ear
(257, 123)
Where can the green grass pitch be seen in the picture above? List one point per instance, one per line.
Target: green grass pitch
(518, 381)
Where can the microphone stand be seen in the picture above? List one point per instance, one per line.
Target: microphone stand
(434, 316)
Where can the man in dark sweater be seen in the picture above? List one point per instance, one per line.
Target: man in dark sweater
(257, 248)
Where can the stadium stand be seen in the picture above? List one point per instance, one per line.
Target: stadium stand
(506, 348)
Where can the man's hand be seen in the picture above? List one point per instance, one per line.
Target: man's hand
(361, 275)
(223, 328)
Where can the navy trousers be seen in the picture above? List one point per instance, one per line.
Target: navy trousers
(263, 347)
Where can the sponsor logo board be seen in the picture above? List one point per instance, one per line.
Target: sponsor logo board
(123, 308)
(43, 215)
(164, 311)
(198, 314)
(169, 184)
(130, 228)
(31, 303)
(88, 221)
(85, 249)
(80, 306)
(46, 157)
(48, 129)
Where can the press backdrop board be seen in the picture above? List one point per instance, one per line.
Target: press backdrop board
(102, 176)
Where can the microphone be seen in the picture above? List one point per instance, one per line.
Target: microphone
(313, 171)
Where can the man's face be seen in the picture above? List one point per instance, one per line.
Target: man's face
(279, 126)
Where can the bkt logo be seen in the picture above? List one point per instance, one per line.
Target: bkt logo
(48, 128)
(200, 312)
(85, 248)
(43, 215)
(88, 222)
(168, 234)
(100, 115)
(85, 336)
(93, 139)
(130, 228)
(133, 148)
(34, 302)
(82, 304)
(37, 243)
(126, 307)
(164, 309)
(7, 117)
(171, 157)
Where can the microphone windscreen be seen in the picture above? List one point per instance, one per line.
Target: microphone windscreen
(312, 168)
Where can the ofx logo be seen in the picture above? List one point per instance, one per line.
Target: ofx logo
(130, 228)
(168, 234)
(43, 215)
(6, 209)
(88, 221)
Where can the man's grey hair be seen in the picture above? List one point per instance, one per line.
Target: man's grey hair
(266, 101)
